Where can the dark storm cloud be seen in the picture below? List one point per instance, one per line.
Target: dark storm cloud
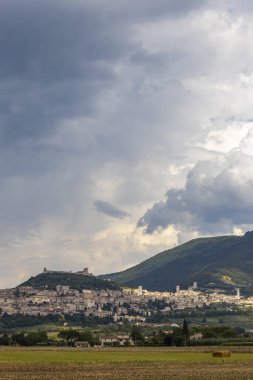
(54, 62)
(145, 10)
(217, 196)
(110, 210)
(47, 42)
(57, 58)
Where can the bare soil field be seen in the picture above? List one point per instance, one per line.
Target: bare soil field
(118, 371)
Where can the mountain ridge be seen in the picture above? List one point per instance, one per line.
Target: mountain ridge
(223, 261)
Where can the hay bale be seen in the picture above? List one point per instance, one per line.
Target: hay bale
(221, 354)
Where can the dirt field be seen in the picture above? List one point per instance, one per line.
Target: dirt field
(22, 364)
(127, 371)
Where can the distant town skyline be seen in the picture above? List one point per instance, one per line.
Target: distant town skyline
(126, 128)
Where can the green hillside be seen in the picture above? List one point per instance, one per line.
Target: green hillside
(224, 261)
(75, 281)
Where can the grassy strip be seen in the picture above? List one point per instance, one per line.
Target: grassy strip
(83, 357)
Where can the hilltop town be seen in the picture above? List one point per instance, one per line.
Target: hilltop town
(126, 304)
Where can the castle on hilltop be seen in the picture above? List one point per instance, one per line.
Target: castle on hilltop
(84, 272)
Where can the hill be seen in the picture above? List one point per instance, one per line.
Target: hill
(223, 261)
(51, 279)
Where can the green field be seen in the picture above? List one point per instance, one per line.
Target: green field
(77, 356)
(122, 363)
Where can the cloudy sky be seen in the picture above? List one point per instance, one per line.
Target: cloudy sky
(126, 127)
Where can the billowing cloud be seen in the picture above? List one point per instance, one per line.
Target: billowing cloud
(217, 196)
(110, 210)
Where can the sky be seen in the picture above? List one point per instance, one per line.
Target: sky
(126, 128)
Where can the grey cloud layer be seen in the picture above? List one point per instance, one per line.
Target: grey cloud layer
(105, 99)
(54, 62)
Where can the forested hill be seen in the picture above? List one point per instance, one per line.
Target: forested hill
(223, 261)
(51, 279)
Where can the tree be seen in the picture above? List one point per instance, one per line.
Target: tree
(158, 338)
(20, 339)
(31, 339)
(185, 329)
(168, 340)
(69, 335)
(178, 338)
(88, 336)
(136, 334)
(37, 338)
(4, 340)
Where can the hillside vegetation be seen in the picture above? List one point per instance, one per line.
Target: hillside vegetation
(75, 281)
(223, 261)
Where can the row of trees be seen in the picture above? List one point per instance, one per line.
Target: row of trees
(8, 321)
(178, 337)
(181, 336)
(65, 337)
(23, 339)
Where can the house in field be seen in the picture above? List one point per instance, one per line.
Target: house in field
(116, 340)
(81, 344)
(196, 336)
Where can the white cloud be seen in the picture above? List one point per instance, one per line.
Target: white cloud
(226, 137)
(217, 198)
